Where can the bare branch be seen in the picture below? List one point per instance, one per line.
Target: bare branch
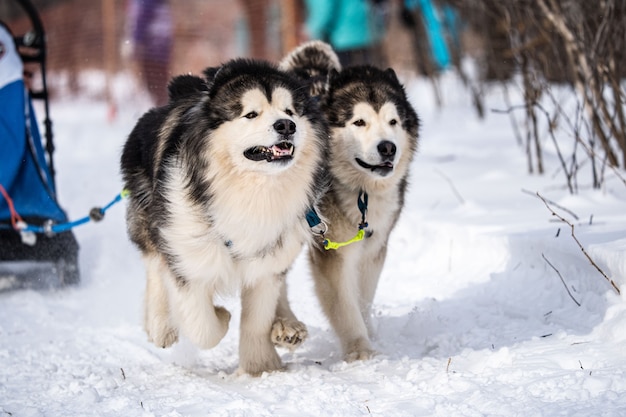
(572, 46)
(562, 280)
(585, 76)
(454, 190)
(613, 284)
(571, 213)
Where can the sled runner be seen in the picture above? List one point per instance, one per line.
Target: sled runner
(32, 255)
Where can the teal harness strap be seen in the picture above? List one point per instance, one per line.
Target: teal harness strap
(312, 218)
(315, 223)
(362, 204)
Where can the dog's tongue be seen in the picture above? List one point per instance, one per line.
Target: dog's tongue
(281, 150)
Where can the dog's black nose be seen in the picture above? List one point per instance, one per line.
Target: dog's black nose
(386, 149)
(285, 127)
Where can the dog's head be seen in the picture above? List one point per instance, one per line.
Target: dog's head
(374, 127)
(259, 118)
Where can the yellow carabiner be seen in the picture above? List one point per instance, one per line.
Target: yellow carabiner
(336, 245)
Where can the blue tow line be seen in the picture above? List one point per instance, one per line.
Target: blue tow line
(95, 214)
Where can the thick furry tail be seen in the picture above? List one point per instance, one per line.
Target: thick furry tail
(313, 62)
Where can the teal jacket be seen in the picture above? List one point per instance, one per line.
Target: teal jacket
(437, 22)
(345, 24)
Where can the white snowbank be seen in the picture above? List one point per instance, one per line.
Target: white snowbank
(471, 319)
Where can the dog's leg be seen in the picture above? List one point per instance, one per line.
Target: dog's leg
(199, 319)
(258, 308)
(157, 320)
(337, 286)
(370, 268)
(287, 331)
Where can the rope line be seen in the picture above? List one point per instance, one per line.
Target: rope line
(16, 220)
(95, 214)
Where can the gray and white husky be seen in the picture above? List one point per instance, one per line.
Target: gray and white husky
(374, 134)
(220, 180)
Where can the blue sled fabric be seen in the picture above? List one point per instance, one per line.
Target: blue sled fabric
(24, 172)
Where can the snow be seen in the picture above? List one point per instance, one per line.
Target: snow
(471, 319)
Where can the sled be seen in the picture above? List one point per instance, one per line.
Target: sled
(32, 253)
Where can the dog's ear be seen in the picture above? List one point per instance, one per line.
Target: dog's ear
(391, 75)
(209, 74)
(410, 120)
(184, 86)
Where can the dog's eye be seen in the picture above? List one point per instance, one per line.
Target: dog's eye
(251, 115)
(288, 112)
(359, 123)
(393, 122)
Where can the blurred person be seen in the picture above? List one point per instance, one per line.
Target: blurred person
(353, 28)
(257, 16)
(151, 36)
(429, 25)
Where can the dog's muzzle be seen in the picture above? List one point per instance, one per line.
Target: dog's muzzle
(383, 169)
(387, 151)
(280, 151)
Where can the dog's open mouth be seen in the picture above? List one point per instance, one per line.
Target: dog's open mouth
(282, 151)
(382, 169)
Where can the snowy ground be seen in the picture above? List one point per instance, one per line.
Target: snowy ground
(471, 319)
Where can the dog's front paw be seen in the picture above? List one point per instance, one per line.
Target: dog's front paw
(359, 350)
(210, 330)
(288, 334)
(360, 355)
(256, 368)
(162, 336)
(257, 355)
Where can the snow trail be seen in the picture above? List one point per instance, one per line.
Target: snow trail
(471, 320)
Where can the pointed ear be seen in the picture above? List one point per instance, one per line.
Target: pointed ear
(209, 75)
(184, 86)
(389, 72)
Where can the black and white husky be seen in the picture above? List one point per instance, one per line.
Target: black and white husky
(220, 180)
(374, 134)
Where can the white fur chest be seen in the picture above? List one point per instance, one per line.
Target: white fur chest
(381, 212)
(245, 236)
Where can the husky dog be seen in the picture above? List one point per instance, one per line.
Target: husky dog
(220, 181)
(374, 131)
